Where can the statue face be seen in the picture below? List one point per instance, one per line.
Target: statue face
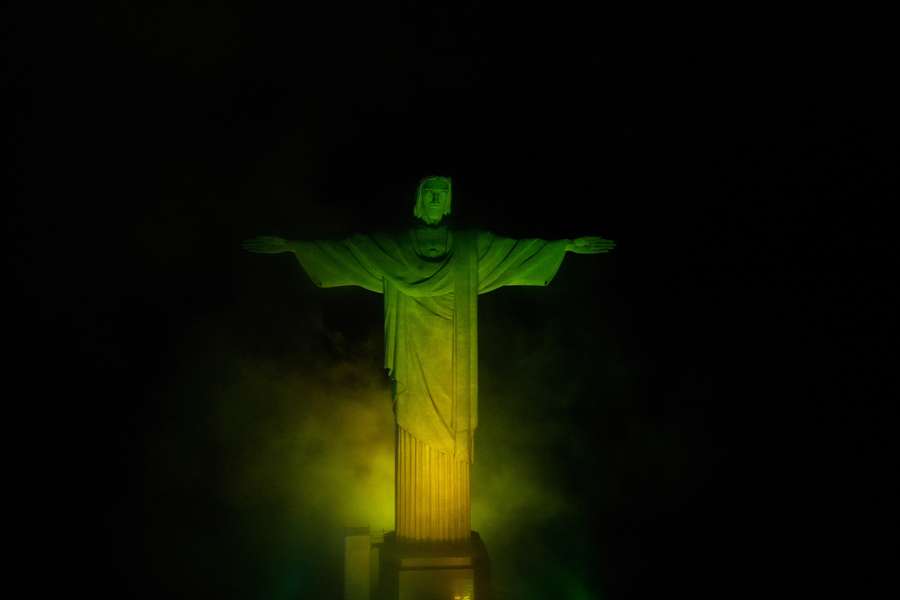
(433, 199)
(434, 204)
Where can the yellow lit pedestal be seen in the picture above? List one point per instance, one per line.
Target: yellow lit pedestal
(434, 571)
(450, 578)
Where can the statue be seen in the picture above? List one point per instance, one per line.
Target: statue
(431, 276)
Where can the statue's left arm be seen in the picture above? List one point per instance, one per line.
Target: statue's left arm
(505, 261)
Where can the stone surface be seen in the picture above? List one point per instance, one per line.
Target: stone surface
(436, 584)
(458, 571)
(357, 564)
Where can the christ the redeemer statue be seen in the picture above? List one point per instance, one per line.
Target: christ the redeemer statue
(431, 276)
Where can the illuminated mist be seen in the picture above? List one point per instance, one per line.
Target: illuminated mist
(300, 434)
(319, 443)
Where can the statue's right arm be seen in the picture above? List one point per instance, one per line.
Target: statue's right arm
(268, 244)
(329, 263)
(590, 245)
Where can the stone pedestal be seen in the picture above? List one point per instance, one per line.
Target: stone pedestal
(357, 563)
(433, 571)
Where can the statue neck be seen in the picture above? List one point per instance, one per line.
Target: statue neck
(422, 222)
(431, 241)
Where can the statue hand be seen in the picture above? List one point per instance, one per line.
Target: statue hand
(266, 244)
(590, 245)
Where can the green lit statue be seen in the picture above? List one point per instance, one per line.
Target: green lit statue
(431, 276)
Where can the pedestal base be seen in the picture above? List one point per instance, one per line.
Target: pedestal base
(434, 571)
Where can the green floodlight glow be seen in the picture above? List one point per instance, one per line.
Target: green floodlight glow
(430, 277)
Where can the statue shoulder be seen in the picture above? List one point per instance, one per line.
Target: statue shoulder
(472, 233)
(388, 237)
(380, 243)
(483, 236)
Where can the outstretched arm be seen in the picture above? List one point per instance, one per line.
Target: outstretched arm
(505, 261)
(590, 245)
(329, 263)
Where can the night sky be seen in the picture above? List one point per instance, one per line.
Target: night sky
(193, 421)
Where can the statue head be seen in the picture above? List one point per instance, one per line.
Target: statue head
(433, 199)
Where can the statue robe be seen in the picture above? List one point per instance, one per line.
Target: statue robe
(430, 334)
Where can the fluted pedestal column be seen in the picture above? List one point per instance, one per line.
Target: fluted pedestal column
(432, 494)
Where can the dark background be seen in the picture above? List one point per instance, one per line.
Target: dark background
(691, 380)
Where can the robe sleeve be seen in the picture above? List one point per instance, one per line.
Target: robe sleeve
(333, 263)
(504, 261)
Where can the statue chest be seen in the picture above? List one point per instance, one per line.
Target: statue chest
(432, 242)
